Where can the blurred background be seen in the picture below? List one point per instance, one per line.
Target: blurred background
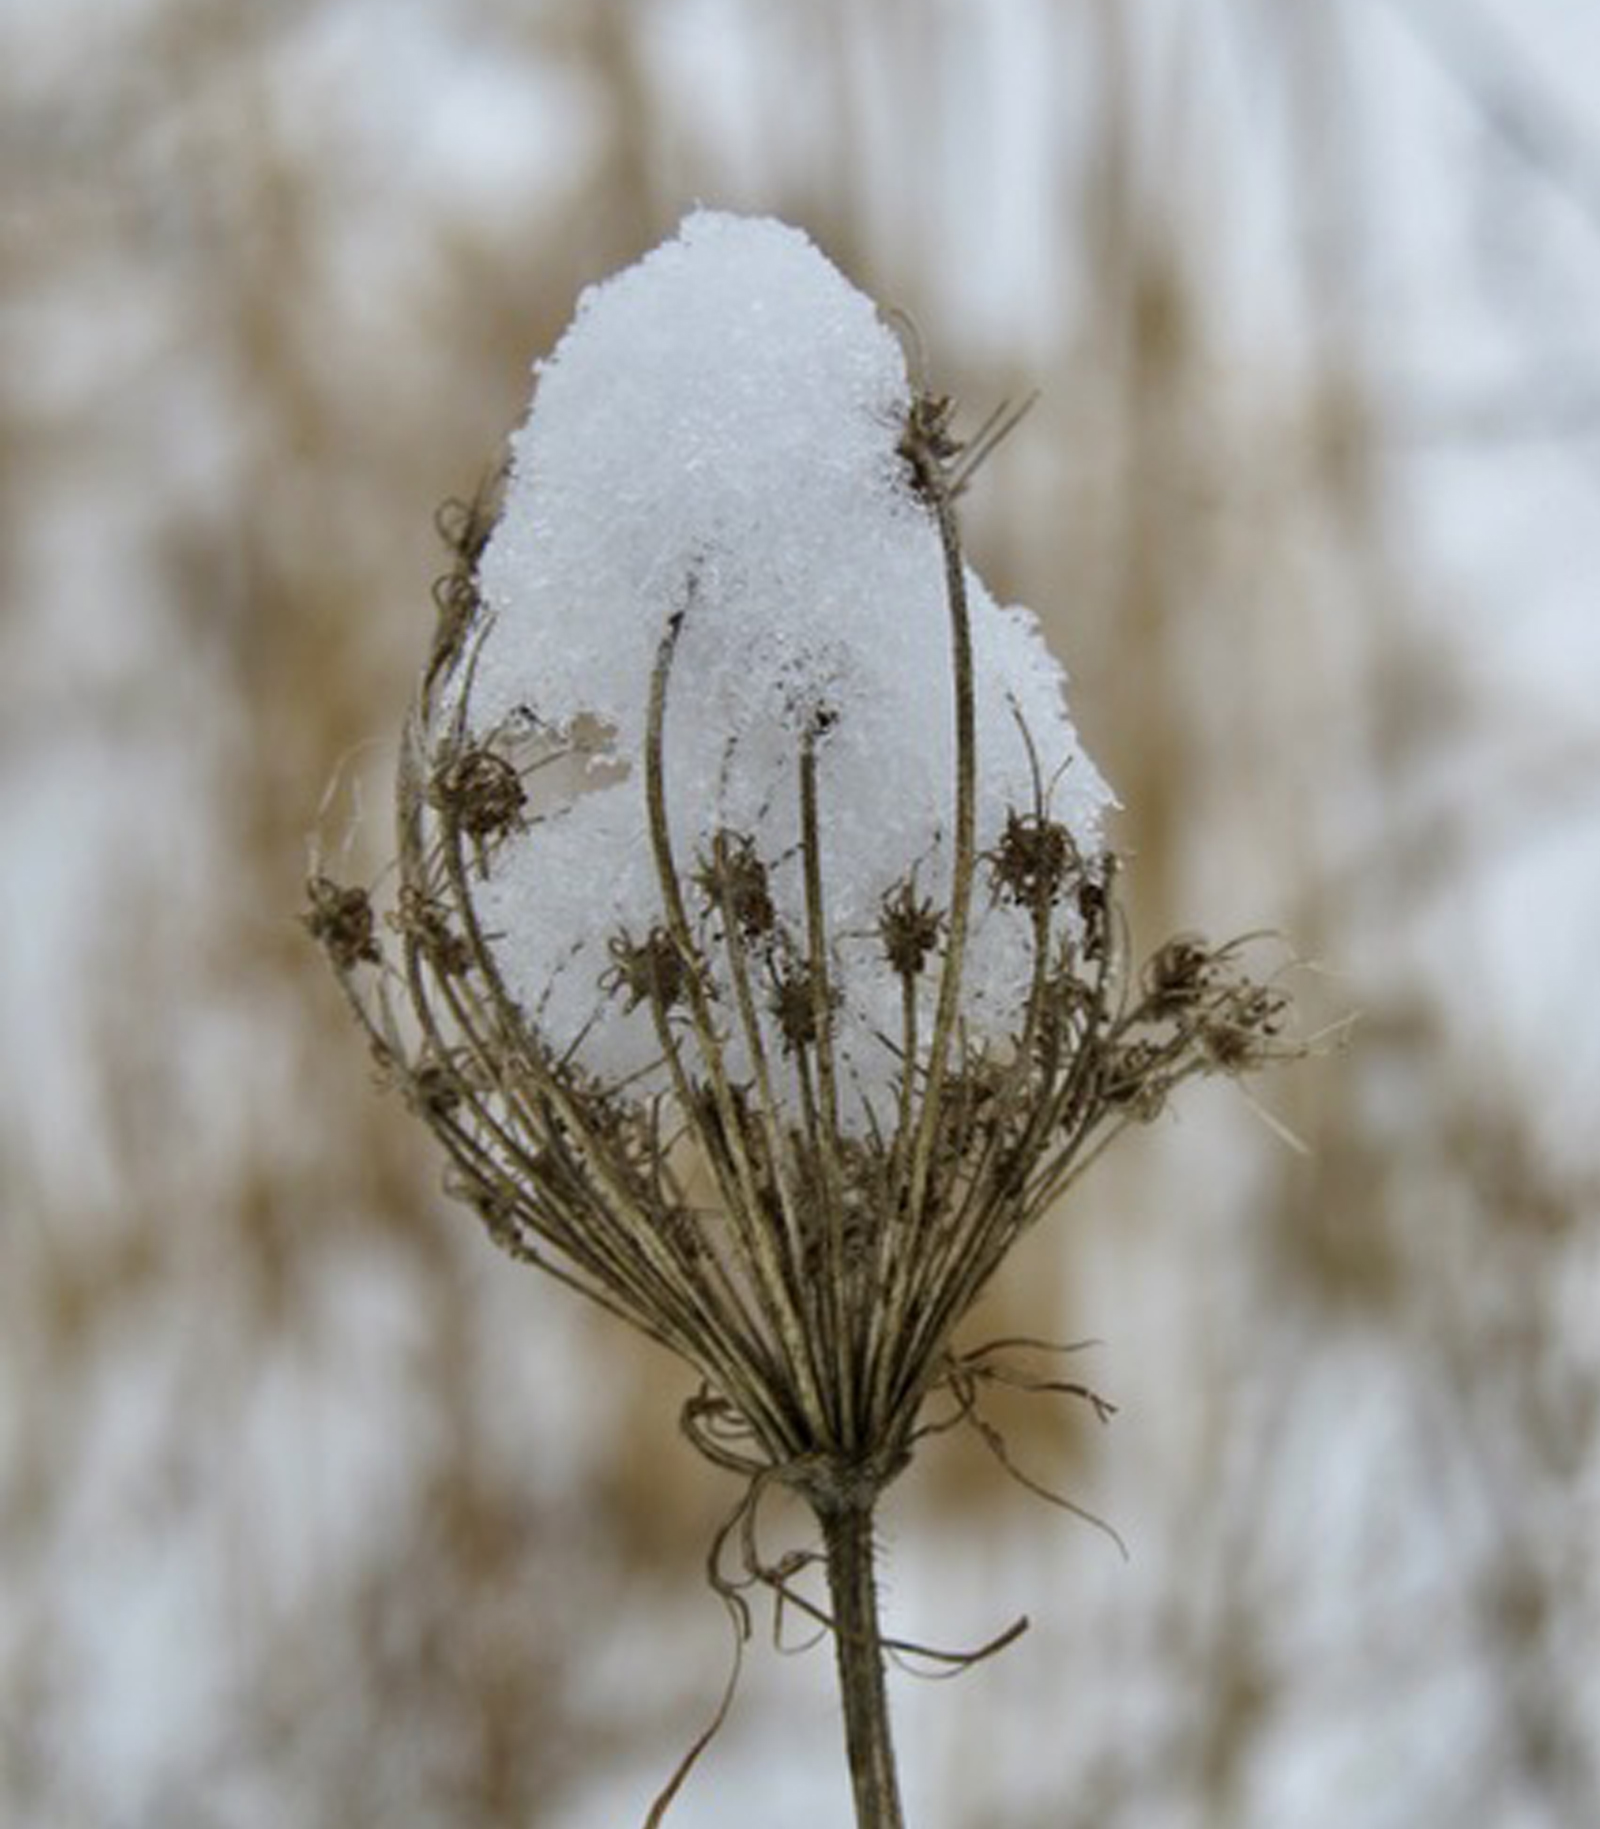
(314, 1511)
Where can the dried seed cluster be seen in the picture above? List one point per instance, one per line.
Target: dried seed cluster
(818, 1284)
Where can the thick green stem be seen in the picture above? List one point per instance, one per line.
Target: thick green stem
(847, 1535)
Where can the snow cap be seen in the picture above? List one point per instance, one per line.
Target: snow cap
(715, 439)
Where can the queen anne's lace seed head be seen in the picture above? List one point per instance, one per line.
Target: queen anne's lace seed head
(755, 953)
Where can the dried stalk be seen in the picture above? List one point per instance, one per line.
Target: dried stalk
(869, 1745)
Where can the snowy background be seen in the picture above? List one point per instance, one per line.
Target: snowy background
(315, 1512)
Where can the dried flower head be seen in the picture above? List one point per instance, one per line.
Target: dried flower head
(729, 541)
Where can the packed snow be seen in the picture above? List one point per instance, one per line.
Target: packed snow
(715, 438)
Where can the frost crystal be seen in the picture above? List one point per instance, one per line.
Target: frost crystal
(716, 440)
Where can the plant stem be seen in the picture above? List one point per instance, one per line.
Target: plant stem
(847, 1536)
